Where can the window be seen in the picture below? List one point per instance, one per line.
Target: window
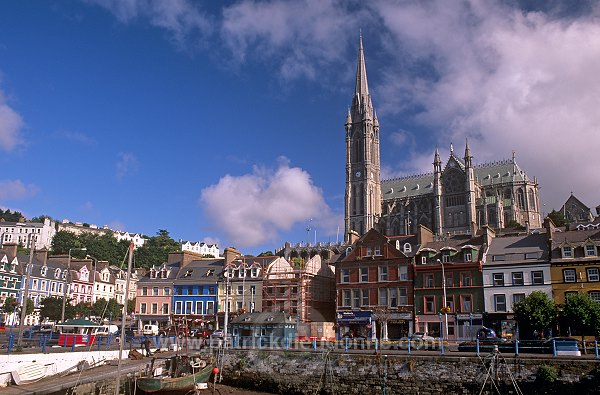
(211, 291)
(592, 274)
(199, 307)
(450, 303)
(383, 296)
(537, 277)
(466, 303)
(165, 308)
(356, 298)
(365, 297)
(240, 290)
(144, 291)
(346, 297)
(590, 250)
(428, 280)
(190, 290)
(468, 257)
(446, 258)
(210, 307)
(517, 278)
(155, 291)
(403, 270)
(154, 308)
(465, 279)
(497, 258)
(449, 280)
(595, 295)
(254, 271)
(167, 291)
(383, 273)
(531, 255)
(345, 276)
(377, 250)
(364, 274)
(407, 248)
(402, 297)
(393, 297)
(423, 260)
(143, 308)
(498, 279)
(188, 307)
(429, 304)
(567, 252)
(369, 251)
(569, 275)
(517, 298)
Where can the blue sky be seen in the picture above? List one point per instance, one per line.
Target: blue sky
(224, 121)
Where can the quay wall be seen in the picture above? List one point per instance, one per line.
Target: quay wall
(293, 372)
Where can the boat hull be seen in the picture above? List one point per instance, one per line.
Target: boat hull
(159, 385)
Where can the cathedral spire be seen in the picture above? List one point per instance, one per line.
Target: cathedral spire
(362, 87)
(436, 156)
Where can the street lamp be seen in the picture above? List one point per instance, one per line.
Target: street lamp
(444, 307)
(67, 277)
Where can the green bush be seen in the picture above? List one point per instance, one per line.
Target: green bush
(547, 374)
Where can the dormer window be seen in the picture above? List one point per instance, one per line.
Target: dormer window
(590, 250)
(163, 273)
(254, 272)
(210, 272)
(369, 251)
(152, 273)
(468, 257)
(43, 271)
(242, 272)
(446, 258)
(423, 259)
(57, 273)
(407, 248)
(377, 250)
(188, 273)
(567, 252)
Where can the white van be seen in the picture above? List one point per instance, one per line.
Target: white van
(107, 330)
(150, 330)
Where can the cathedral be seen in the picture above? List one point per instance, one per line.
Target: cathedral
(458, 197)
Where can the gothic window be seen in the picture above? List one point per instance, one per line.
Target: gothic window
(507, 193)
(531, 199)
(454, 182)
(520, 198)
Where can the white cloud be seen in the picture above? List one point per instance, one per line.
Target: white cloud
(127, 164)
(16, 190)
(508, 80)
(254, 208)
(304, 36)
(182, 19)
(77, 137)
(11, 125)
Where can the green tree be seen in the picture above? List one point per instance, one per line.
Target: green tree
(51, 309)
(535, 313)
(581, 315)
(30, 307)
(156, 250)
(11, 217)
(130, 306)
(83, 309)
(558, 218)
(63, 241)
(10, 305)
(266, 253)
(41, 218)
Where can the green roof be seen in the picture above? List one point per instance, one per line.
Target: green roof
(78, 322)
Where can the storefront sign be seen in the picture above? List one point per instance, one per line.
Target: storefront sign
(466, 317)
(353, 317)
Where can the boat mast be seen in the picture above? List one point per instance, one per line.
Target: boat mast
(124, 315)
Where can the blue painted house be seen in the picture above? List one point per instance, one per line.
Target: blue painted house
(195, 292)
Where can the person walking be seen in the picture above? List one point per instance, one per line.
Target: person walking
(146, 344)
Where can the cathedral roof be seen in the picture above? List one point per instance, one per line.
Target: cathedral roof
(486, 174)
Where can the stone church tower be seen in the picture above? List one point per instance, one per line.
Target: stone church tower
(456, 198)
(363, 179)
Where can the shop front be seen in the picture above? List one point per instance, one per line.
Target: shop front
(467, 325)
(354, 324)
(504, 324)
(399, 325)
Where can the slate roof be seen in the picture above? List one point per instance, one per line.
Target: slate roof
(422, 184)
(200, 271)
(263, 318)
(514, 248)
(456, 242)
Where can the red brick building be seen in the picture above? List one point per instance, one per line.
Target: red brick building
(374, 283)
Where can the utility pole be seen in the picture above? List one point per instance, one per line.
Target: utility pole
(25, 295)
(123, 334)
(67, 277)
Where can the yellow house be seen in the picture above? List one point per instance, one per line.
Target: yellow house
(575, 262)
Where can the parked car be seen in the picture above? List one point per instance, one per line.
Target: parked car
(218, 333)
(150, 330)
(354, 335)
(419, 340)
(173, 330)
(201, 333)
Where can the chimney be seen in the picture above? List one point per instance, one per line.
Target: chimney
(550, 227)
(488, 235)
(424, 235)
(10, 249)
(353, 236)
(41, 255)
(231, 254)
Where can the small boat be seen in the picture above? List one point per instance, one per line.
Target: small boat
(180, 373)
(30, 373)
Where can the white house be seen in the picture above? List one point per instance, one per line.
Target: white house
(22, 232)
(201, 248)
(515, 266)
